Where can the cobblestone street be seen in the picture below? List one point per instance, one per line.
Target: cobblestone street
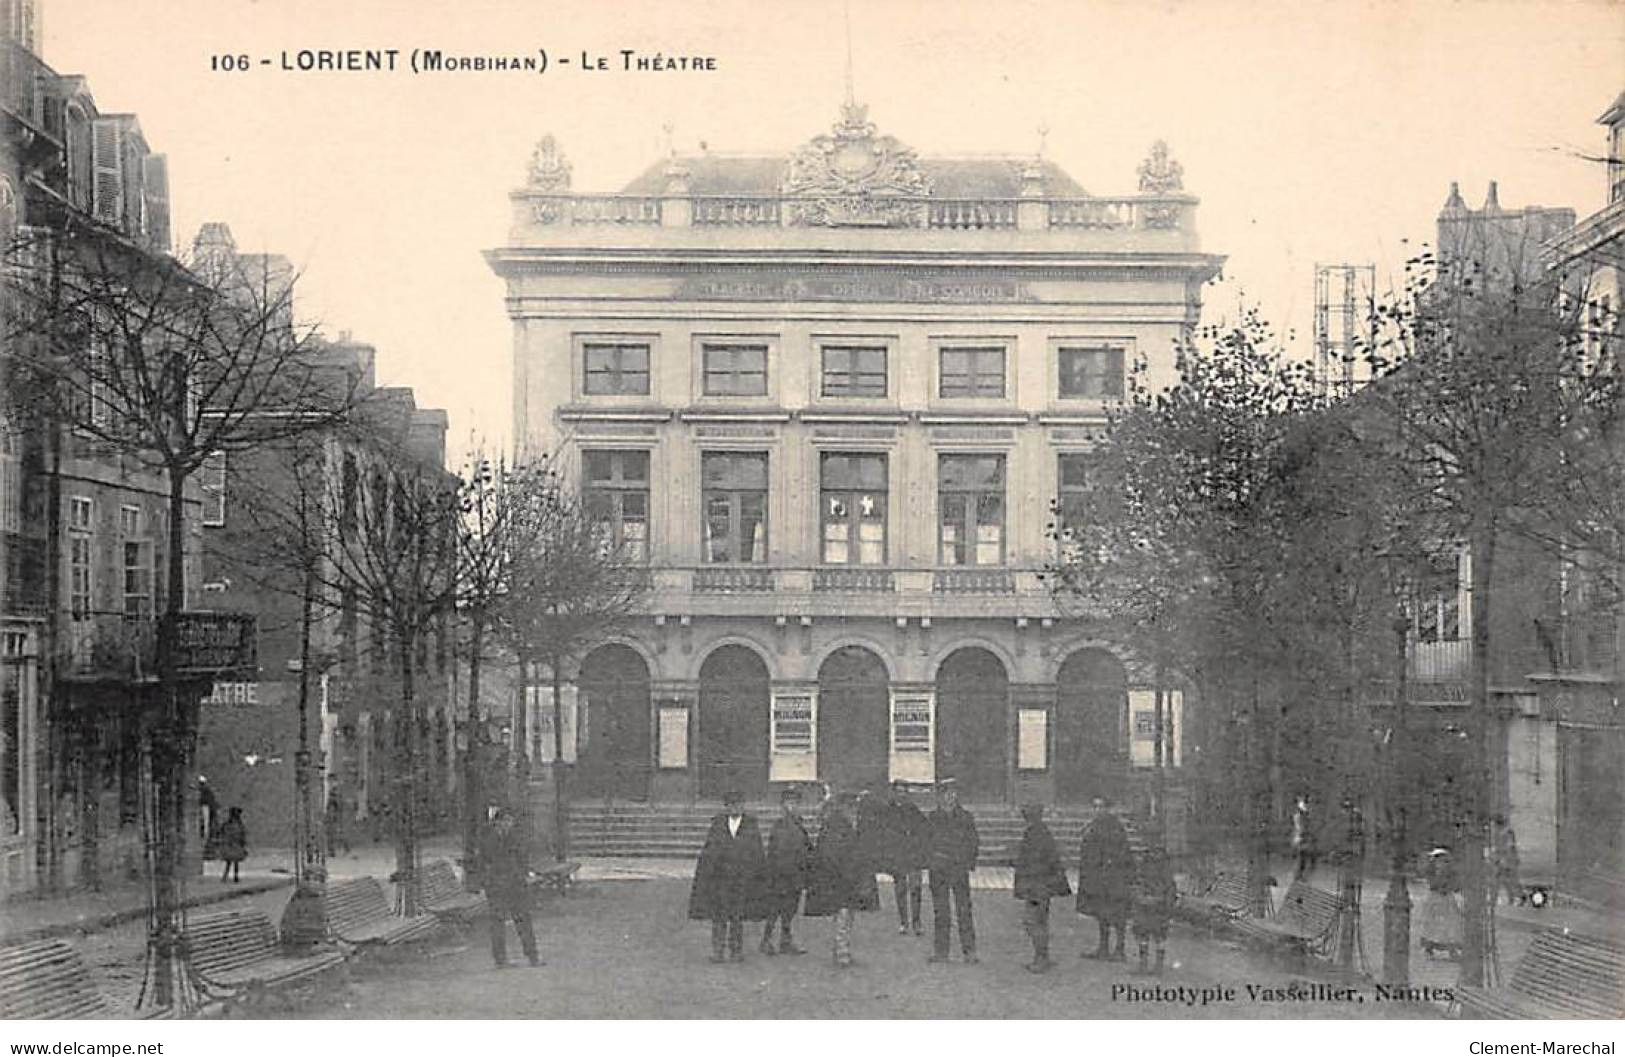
(626, 950)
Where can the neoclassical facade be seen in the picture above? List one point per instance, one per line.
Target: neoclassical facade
(833, 399)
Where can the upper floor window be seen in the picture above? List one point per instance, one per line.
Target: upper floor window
(137, 564)
(970, 509)
(733, 369)
(1071, 504)
(1091, 372)
(349, 495)
(734, 486)
(213, 483)
(854, 370)
(971, 372)
(615, 487)
(854, 505)
(81, 556)
(615, 368)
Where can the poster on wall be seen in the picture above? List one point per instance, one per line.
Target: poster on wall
(913, 736)
(794, 737)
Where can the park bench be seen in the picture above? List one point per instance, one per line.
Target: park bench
(559, 876)
(358, 913)
(442, 893)
(1561, 975)
(237, 956)
(1227, 898)
(48, 980)
(1305, 922)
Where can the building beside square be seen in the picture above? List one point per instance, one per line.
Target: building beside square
(833, 397)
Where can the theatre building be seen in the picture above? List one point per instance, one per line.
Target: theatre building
(830, 398)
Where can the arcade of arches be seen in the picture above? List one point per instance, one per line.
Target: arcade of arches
(854, 726)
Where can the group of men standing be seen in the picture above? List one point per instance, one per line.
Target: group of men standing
(737, 880)
(857, 836)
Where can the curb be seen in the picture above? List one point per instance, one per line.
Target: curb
(112, 919)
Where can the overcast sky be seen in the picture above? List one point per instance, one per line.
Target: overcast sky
(1311, 132)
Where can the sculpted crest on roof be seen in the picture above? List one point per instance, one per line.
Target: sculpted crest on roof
(856, 177)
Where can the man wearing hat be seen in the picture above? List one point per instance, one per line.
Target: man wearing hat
(504, 864)
(902, 854)
(952, 846)
(728, 879)
(789, 858)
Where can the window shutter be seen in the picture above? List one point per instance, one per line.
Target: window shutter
(157, 194)
(107, 163)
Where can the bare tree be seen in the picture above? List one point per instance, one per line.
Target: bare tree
(1501, 408)
(170, 365)
(569, 583)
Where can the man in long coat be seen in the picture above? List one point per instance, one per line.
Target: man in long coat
(504, 870)
(952, 849)
(728, 880)
(1105, 876)
(789, 861)
(902, 854)
(1039, 878)
(843, 876)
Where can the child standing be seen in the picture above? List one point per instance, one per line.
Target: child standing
(1154, 897)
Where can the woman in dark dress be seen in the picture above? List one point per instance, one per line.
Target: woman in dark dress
(232, 843)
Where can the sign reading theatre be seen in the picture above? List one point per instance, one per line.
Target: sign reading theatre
(875, 288)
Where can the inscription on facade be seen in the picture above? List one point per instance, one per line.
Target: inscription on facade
(971, 433)
(736, 432)
(1063, 435)
(879, 288)
(855, 433)
(612, 429)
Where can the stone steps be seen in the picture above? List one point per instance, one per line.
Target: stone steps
(678, 831)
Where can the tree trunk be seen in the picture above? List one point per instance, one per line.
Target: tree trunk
(474, 751)
(1478, 953)
(561, 802)
(406, 849)
(170, 741)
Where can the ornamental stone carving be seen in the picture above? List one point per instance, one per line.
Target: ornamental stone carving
(549, 169)
(1160, 175)
(855, 178)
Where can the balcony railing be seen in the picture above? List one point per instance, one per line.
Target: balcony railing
(974, 582)
(1440, 662)
(854, 581)
(110, 646)
(1122, 213)
(728, 580)
(736, 212)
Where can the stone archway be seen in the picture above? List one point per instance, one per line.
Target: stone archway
(614, 725)
(732, 735)
(973, 711)
(854, 726)
(1091, 699)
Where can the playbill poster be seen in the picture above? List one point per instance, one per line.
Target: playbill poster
(899, 514)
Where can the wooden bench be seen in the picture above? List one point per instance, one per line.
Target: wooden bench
(442, 893)
(1561, 975)
(559, 876)
(237, 956)
(1306, 920)
(1228, 898)
(358, 913)
(48, 980)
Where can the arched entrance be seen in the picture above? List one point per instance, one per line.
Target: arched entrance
(973, 707)
(614, 724)
(732, 735)
(1090, 702)
(853, 720)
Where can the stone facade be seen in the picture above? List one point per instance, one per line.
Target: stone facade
(832, 397)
